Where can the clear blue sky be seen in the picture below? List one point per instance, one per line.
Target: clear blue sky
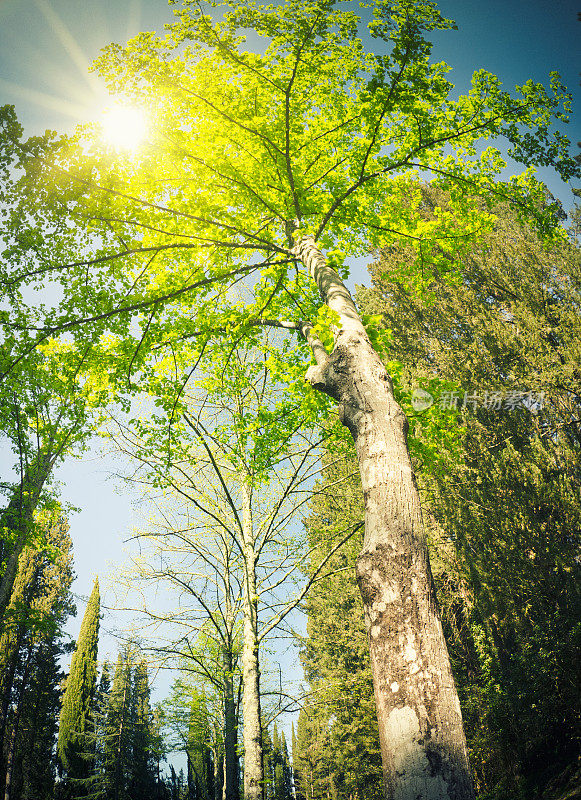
(45, 49)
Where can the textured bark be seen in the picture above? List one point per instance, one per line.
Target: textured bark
(420, 723)
(10, 760)
(253, 765)
(219, 774)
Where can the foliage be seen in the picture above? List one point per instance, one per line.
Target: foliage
(74, 751)
(281, 769)
(51, 398)
(312, 127)
(145, 743)
(234, 473)
(337, 746)
(194, 722)
(31, 647)
(312, 131)
(126, 740)
(504, 518)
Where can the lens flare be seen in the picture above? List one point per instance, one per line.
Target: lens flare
(124, 127)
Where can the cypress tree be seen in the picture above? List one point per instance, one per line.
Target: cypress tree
(74, 741)
(282, 769)
(99, 724)
(129, 739)
(142, 768)
(117, 734)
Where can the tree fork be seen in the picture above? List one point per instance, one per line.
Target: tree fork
(420, 723)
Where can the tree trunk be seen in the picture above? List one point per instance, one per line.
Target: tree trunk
(219, 774)
(230, 786)
(420, 724)
(10, 760)
(253, 767)
(231, 790)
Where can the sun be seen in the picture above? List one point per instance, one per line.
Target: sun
(124, 127)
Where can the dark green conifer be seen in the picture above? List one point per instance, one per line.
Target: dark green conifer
(75, 740)
(337, 741)
(143, 745)
(30, 649)
(117, 734)
(282, 770)
(297, 778)
(267, 760)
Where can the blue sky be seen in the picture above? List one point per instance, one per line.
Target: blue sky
(46, 47)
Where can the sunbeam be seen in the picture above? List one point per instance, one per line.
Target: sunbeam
(124, 127)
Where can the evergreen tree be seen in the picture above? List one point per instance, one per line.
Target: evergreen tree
(282, 773)
(268, 762)
(128, 742)
(297, 781)
(143, 745)
(98, 718)
(117, 734)
(311, 132)
(74, 742)
(35, 779)
(30, 649)
(314, 760)
(337, 742)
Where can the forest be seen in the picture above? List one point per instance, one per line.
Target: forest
(381, 477)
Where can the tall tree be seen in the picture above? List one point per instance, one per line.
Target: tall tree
(144, 744)
(95, 781)
(263, 160)
(129, 743)
(117, 733)
(282, 774)
(52, 392)
(74, 742)
(500, 353)
(240, 473)
(30, 649)
(339, 741)
(314, 765)
(203, 750)
(297, 788)
(194, 724)
(267, 762)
